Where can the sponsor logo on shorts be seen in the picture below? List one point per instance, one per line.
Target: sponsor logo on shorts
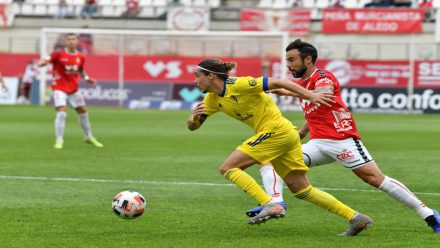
(345, 155)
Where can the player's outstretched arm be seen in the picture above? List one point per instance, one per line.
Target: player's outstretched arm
(324, 98)
(282, 92)
(329, 89)
(43, 62)
(197, 118)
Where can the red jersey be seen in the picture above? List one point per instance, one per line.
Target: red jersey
(324, 122)
(66, 68)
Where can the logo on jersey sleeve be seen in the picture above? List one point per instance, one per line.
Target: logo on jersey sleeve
(252, 82)
(324, 82)
(231, 80)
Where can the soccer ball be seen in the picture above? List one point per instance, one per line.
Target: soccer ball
(128, 204)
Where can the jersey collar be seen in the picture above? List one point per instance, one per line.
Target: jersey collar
(224, 88)
(305, 79)
(67, 51)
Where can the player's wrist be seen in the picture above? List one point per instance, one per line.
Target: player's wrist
(87, 78)
(195, 119)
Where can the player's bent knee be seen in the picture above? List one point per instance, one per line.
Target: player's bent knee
(296, 180)
(60, 109)
(227, 167)
(81, 110)
(223, 169)
(372, 180)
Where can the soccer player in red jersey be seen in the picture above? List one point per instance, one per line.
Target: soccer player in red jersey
(68, 64)
(334, 136)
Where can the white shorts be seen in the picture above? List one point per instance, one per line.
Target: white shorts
(75, 100)
(349, 152)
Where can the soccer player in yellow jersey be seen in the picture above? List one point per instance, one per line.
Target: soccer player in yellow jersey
(275, 139)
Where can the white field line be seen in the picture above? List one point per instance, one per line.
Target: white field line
(92, 180)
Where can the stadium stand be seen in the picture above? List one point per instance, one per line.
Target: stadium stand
(31, 15)
(156, 8)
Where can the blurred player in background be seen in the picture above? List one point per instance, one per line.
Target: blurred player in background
(275, 139)
(3, 84)
(334, 136)
(67, 65)
(29, 76)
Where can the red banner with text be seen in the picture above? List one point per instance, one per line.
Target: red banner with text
(427, 74)
(136, 68)
(180, 69)
(296, 22)
(372, 21)
(361, 73)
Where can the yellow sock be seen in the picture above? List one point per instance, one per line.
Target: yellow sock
(325, 200)
(248, 185)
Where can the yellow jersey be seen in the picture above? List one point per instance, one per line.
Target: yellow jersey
(245, 99)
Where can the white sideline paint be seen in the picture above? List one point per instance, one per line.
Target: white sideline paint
(93, 180)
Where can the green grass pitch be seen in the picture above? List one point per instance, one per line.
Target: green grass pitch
(47, 199)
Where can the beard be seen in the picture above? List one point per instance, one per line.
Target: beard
(204, 91)
(300, 73)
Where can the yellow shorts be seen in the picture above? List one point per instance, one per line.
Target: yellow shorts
(282, 149)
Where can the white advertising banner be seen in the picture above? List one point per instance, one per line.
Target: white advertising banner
(9, 97)
(188, 19)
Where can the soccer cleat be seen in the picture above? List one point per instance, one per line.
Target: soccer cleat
(58, 145)
(270, 210)
(94, 142)
(357, 224)
(255, 211)
(434, 221)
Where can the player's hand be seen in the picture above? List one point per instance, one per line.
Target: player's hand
(42, 62)
(198, 111)
(325, 98)
(92, 81)
(280, 92)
